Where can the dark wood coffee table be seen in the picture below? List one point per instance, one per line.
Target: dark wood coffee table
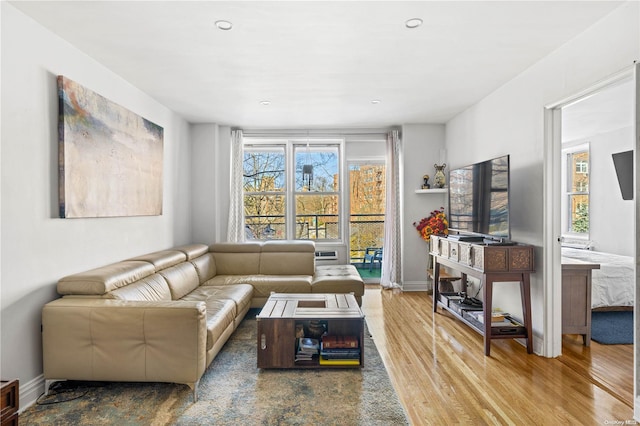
(283, 312)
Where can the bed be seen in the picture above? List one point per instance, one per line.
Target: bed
(612, 286)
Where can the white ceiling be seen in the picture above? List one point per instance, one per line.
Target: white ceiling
(320, 64)
(604, 111)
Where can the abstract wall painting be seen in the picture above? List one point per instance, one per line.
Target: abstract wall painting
(110, 158)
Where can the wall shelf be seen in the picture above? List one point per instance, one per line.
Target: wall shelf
(432, 191)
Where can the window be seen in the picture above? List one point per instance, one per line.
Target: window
(264, 184)
(317, 192)
(367, 207)
(577, 190)
(292, 190)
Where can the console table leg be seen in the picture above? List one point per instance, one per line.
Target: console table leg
(525, 293)
(487, 286)
(436, 282)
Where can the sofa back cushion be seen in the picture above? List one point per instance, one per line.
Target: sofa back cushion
(288, 258)
(163, 259)
(106, 278)
(182, 279)
(193, 250)
(237, 258)
(153, 288)
(205, 267)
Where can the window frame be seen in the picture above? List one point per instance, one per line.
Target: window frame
(570, 170)
(290, 193)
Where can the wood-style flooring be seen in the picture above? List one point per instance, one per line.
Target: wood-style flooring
(437, 366)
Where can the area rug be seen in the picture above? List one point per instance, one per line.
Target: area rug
(612, 327)
(233, 391)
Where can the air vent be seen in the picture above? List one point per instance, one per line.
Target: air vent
(327, 255)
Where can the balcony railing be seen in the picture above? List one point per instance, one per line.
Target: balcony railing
(366, 230)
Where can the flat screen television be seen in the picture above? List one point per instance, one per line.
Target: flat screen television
(479, 201)
(623, 162)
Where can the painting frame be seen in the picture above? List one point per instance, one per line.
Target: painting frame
(110, 159)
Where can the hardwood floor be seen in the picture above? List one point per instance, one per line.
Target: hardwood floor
(439, 370)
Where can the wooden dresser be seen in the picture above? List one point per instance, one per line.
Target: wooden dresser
(576, 298)
(489, 263)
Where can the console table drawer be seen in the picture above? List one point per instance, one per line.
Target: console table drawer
(485, 257)
(454, 251)
(517, 258)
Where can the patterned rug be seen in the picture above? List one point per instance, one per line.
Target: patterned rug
(233, 392)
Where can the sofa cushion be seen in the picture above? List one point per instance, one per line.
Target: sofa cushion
(205, 266)
(106, 278)
(337, 279)
(193, 250)
(240, 294)
(287, 258)
(264, 285)
(237, 259)
(182, 279)
(153, 288)
(163, 259)
(220, 315)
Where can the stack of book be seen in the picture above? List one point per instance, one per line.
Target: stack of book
(307, 348)
(339, 350)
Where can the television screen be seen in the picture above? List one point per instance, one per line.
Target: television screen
(479, 198)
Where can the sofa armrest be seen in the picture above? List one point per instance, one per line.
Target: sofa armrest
(116, 340)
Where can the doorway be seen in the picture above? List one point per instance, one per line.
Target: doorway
(586, 211)
(366, 217)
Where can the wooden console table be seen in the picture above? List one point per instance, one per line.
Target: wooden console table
(489, 263)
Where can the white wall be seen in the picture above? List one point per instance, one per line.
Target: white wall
(511, 121)
(421, 145)
(211, 173)
(203, 172)
(37, 247)
(611, 219)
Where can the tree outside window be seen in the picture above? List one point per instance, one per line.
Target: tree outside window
(578, 191)
(297, 199)
(264, 184)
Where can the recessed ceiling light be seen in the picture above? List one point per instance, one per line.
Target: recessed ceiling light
(376, 101)
(265, 103)
(224, 25)
(413, 23)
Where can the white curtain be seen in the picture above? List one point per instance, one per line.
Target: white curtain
(235, 228)
(391, 254)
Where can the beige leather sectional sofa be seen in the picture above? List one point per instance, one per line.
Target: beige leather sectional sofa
(164, 316)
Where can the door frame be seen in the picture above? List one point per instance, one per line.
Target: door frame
(552, 271)
(552, 274)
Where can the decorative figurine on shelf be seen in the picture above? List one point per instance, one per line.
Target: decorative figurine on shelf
(439, 178)
(425, 182)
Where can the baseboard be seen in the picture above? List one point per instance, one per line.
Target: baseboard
(30, 392)
(415, 286)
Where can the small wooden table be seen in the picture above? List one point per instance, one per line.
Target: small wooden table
(283, 312)
(576, 298)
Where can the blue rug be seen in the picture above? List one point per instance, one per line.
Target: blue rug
(612, 327)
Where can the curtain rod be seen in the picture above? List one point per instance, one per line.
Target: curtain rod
(316, 133)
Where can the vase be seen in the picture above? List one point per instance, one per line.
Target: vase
(439, 178)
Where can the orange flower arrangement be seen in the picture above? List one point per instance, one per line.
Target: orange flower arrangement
(436, 223)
